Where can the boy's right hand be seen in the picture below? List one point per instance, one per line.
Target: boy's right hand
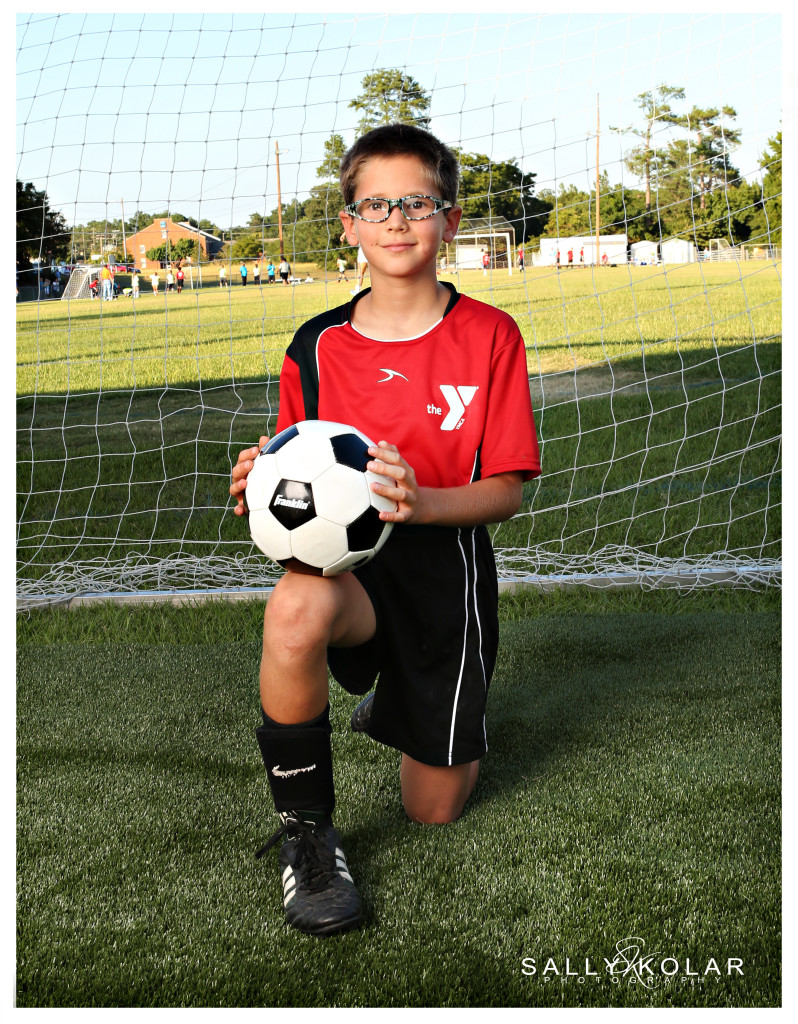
(241, 470)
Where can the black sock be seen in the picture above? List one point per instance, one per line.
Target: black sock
(298, 760)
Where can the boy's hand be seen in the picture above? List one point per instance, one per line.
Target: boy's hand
(405, 491)
(241, 470)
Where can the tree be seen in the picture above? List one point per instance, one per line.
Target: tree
(674, 193)
(247, 247)
(391, 97)
(319, 236)
(42, 233)
(656, 108)
(572, 213)
(730, 213)
(501, 189)
(334, 149)
(622, 211)
(709, 165)
(181, 249)
(767, 224)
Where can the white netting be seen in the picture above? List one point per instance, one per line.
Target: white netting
(653, 351)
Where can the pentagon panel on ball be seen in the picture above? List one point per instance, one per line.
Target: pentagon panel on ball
(311, 507)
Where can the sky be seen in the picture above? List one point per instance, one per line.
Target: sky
(182, 110)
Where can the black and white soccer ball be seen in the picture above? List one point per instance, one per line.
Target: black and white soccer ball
(311, 508)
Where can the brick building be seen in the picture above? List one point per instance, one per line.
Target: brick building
(163, 229)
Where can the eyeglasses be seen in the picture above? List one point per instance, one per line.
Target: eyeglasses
(412, 207)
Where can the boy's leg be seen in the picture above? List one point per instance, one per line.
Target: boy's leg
(435, 795)
(303, 616)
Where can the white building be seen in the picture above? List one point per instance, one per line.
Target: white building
(644, 253)
(613, 246)
(678, 250)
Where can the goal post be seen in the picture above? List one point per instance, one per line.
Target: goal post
(656, 383)
(79, 283)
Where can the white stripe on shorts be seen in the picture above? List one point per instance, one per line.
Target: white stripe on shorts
(465, 641)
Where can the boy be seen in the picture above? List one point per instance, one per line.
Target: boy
(444, 377)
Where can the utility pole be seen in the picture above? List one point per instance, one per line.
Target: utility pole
(598, 229)
(279, 201)
(124, 244)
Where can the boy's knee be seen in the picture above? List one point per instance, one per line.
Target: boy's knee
(436, 795)
(440, 812)
(298, 612)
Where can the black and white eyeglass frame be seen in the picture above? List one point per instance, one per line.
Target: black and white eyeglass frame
(440, 204)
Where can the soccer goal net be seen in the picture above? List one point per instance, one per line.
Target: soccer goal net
(621, 193)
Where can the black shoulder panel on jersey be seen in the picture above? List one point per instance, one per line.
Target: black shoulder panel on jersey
(303, 351)
(477, 474)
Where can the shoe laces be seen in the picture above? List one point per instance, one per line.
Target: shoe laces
(311, 853)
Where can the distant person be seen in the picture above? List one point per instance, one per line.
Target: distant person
(270, 270)
(256, 273)
(179, 278)
(135, 283)
(154, 281)
(570, 259)
(341, 270)
(222, 277)
(581, 257)
(243, 271)
(557, 260)
(604, 260)
(107, 278)
(94, 287)
(170, 280)
(521, 258)
(285, 270)
(485, 263)
(362, 267)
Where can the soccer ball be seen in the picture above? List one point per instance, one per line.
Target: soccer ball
(311, 508)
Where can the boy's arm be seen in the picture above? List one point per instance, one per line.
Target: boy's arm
(491, 500)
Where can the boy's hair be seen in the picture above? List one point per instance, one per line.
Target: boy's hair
(437, 159)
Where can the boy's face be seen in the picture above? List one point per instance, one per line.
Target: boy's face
(398, 247)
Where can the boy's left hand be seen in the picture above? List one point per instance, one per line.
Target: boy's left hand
(405, 492)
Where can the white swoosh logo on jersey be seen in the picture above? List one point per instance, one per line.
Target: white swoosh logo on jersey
(391, 375)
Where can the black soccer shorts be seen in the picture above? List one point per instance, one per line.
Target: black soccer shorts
(435, 595)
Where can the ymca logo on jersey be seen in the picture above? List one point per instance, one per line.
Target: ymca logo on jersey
(458, 397)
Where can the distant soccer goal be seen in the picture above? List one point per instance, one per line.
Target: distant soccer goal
(211, 142)
(79, 283)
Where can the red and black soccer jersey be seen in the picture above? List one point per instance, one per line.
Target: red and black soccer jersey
(455, 401)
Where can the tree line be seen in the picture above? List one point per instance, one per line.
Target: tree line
(690, 188)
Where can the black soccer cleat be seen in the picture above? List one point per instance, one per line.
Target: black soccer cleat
(319, 896)
(360, 716)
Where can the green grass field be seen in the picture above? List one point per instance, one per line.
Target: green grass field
(130, 417)
(632, 788)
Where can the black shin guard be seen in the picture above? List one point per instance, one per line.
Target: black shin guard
(298, 760)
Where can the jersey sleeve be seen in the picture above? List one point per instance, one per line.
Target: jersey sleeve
(292, 406)
(509, 441)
